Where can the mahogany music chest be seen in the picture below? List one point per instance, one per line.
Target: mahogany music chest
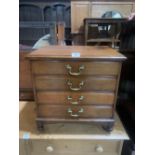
(76, 84)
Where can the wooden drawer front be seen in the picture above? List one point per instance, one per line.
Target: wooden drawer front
(60, 83)
(90, 68)
(68, 98)
(82, 111)
(75, 147)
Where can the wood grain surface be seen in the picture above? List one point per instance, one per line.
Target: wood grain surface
(61, 83)
(56, 111)
(57, 69)
(90, 68)
(60, 131)
(86, 52)
(89, 98)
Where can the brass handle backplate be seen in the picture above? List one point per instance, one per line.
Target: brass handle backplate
(69, 98)
(70, 84)
(81, 110)
(69, 68)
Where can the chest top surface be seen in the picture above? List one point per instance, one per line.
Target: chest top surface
(76, 52)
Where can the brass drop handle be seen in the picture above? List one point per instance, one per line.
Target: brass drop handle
(69, 68)
(69, 83)
(76, 114)
(69, 98)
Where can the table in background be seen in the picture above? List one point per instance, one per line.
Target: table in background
(67, 139)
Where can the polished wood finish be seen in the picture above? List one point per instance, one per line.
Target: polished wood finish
(60, 83)
(61, 33)
(95, 68)
(59, 131)
(88, 53)
(76, 89)
(61, 98)
(57, 111)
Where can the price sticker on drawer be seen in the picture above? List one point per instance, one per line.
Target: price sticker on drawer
(26, 136)
(75, 54)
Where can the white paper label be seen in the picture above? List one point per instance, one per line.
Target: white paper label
(26, 135)
(75, 54)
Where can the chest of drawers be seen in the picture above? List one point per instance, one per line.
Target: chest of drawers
(76, 84)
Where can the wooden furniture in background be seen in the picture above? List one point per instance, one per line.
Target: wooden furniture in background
(41, 11)
(79, 11)
(25, 82)
(76, 84)
(95, 9)
(48, 28)
(104, 22)
(61, 33)
(56, 36)
(67, 139)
